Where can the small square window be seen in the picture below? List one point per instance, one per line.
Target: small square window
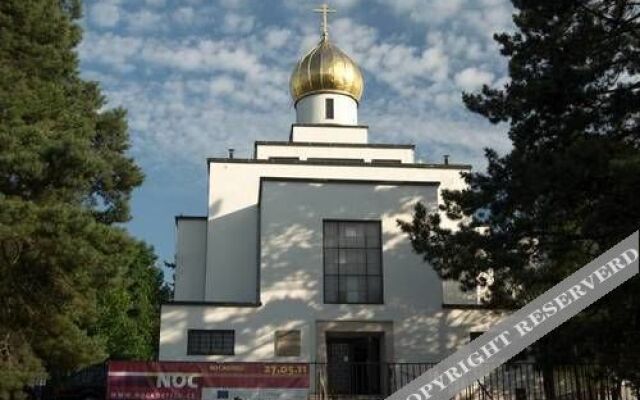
(328, 108)
(287, 343)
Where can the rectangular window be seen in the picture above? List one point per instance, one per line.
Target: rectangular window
(328, 108)
(352, 262)
(210, 342)
(287, 343)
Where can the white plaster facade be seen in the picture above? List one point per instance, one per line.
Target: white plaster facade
(315, 151)
(329, 133)
(254, 263)
(311, 109)
(190, 256)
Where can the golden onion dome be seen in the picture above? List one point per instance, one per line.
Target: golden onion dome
(326, 68)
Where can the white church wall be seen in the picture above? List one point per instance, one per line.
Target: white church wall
(291, 276)
(427, 336)
(291, 226)
(191, 242)
(231, 268)
(311, 109)
(254, 331)
(329, 134)
(364, 152)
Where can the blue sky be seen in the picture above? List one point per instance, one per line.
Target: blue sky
(201, 76)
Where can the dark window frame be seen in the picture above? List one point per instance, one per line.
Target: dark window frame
(193, 348)
(380, 276)
(329, 109)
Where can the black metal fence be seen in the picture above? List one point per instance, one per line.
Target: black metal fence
(516, 381)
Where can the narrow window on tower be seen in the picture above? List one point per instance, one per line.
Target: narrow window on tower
(328, 108)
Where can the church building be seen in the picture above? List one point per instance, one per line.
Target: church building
(300, 257)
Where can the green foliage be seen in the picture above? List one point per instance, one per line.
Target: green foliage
(568, 190)
(129, 323)
(75, 288)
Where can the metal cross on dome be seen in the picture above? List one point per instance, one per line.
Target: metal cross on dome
(324, 9)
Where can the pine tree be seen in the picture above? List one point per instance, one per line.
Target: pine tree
(569, 188)
(65, 182)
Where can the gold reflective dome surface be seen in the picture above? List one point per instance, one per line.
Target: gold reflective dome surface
(326, 69)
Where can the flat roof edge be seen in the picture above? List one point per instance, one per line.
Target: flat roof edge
(331, 144)
(211, 160)
(189, 217)
(349, 181)
(327, 125)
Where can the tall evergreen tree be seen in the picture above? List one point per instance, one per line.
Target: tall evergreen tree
(569, 188)
(65, 180)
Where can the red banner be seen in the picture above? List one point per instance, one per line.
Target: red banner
(206, 381)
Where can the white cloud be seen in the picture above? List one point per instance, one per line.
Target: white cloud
(111, 50)
(425, 11)
(145, 20)
(237, 23)
(338, 5)
(276, 38)
(203, 91)
(233, 4)
(105, 15)
(204, 56)
(344, 4)
(187, 55)
(473, 78)
(184, 15)
(176, 119)
(222, 85)
(475, 21)
(156, 3)
(459, 47)
(404, 68)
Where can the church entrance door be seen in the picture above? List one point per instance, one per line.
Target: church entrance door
(354, 363)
